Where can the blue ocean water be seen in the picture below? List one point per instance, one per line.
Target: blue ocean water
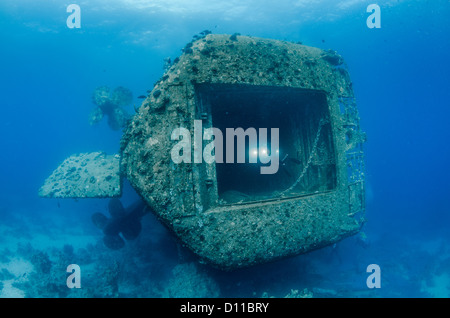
(400, 75)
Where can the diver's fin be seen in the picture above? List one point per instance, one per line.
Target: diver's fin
(86, 175)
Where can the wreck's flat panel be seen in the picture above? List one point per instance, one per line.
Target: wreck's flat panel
(85, 175)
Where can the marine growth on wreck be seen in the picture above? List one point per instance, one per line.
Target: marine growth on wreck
(230, 214)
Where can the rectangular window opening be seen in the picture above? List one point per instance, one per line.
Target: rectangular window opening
(306, 154)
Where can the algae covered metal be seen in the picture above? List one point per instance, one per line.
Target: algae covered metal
(229, 214)
(85, 175)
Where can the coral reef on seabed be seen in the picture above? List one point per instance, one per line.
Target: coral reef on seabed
(152, 265)
(104, 274)
(189, 281)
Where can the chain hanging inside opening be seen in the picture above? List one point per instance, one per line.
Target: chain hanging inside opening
(322, 122)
